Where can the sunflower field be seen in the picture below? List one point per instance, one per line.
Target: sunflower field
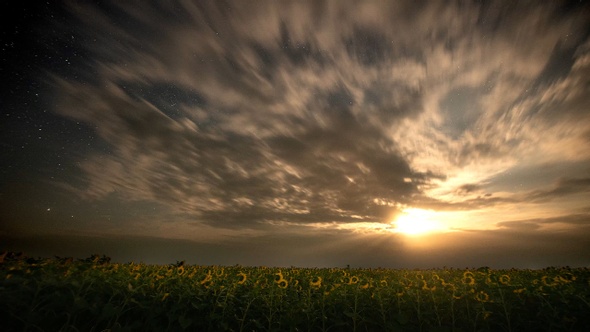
(96, 295)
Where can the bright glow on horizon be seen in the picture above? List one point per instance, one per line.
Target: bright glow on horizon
(414, 222)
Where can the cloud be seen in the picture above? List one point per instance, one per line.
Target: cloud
(331, 173)
(238, 115)
(473, 196)
(564, 187)
(238, 160)
(579, 219)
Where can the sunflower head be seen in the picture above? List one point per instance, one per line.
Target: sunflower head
(243, 278)
(449, 287)
(220, 272)
(518, 291)
(545, 281)
(279, 276)
(566, 278)
(468, 278)
(504, 279)
(353, 280)
(482, 297)
(208, 278)
(316, 282)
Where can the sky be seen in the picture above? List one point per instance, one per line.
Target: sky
(400, 134)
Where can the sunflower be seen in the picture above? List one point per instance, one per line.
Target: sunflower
(220, 272)
(353, 280)
(504, 279)
(468, 278)
(243, 278)
(316, 282)
(282, 283)
(208, 278)
(518, 291)
(549, 284)
(482, 297)
(180, 270)
(566, 278)
(280, 276)
(425, 286)
(449, 286)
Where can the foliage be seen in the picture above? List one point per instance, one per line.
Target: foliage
(95, 295)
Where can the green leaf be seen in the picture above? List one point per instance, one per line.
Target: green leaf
(402, 318)
(440, 329)
(184, 322)
(349, 314)
(108, 311)
(80, 303)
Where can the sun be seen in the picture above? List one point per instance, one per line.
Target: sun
(415, 222)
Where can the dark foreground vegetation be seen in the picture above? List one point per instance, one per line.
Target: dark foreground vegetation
(63, 294)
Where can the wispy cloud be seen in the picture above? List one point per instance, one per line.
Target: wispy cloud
(238, 116)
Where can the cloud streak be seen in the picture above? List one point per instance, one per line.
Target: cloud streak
(241, 116)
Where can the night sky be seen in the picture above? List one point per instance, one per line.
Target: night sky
(401, 134)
